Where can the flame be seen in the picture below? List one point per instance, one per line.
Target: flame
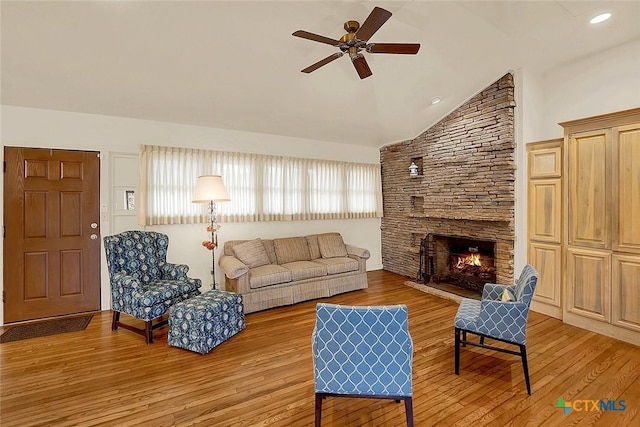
(471, 259)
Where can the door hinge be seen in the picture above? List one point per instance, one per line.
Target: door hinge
(4, 296)
(4, 167)
(4, 231)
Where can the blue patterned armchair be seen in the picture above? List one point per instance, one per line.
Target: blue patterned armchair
(143, 284)
(362, 352)
(501, 315)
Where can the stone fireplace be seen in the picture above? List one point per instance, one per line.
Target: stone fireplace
(459, 261)
(464, 189)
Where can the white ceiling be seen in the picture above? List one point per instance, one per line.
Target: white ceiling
(235, 64)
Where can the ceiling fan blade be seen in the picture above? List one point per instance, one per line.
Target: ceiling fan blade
(374, 21)
(315, 37)
(402, 48)
(361, 66)
(322, 62)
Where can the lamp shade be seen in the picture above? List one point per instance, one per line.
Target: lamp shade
(210, 188)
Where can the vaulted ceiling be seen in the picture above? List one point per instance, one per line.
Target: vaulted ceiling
(235, 65)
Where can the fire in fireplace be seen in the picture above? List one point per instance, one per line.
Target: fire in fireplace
(460, 261)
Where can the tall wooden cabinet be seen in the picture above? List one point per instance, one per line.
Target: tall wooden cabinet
(544, 223)
(602, 251)
(584, 224)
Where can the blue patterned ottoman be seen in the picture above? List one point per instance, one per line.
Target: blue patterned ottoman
(205, 321)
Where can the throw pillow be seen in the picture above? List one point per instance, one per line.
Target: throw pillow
(507, 295)
(252, 253)
(331, 246)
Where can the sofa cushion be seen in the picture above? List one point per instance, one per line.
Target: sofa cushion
(331, 246)
(339, 264)
(269, 274)
(301, 270)
(314, 249)
(291, 249)
(312, 241)
(271, 251)
(227, 249)
(252, 253)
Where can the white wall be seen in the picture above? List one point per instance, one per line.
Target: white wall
(599, 84)
(118, 138)
(529, 109)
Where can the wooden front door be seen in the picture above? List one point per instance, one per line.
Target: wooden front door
(52, 236)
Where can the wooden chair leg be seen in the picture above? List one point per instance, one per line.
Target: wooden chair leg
(408, 408)
(525, 367)
(114, 320)
(457, 351)
(318, 409)
(148, 331)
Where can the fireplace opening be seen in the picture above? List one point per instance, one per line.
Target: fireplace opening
(461, 262)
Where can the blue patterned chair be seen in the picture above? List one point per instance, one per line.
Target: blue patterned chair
(362, 352)
(143, 284)
(501, 315)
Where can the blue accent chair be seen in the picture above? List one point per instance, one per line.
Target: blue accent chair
(494, 318)
(143, 284)
(362, 352)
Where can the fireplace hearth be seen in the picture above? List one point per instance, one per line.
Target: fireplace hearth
(463, 262)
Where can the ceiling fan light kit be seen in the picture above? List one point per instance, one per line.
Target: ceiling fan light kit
(355, 41)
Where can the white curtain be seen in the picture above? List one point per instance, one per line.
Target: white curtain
(261, 188)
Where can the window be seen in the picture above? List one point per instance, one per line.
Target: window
(261, 188)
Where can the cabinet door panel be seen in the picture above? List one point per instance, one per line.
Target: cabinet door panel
(588, 283)
(545, 163)
(545, 211)
(627, 237)
(546, 258)
(588, 190)
(626, 291)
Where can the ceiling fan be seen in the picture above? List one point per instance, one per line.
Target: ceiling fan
(356, 40)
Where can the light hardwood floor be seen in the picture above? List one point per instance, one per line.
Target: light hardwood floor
(263, 376)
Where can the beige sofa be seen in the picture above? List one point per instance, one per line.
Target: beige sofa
(276, 272)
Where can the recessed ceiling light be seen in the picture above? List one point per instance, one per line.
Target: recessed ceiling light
(600, 18)
(435, 100)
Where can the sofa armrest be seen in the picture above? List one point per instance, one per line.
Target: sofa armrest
(170, 271)
(359, 252)
(232, 266)
(494, 315)
(122, 280)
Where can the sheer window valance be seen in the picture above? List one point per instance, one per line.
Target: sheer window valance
(261, 187)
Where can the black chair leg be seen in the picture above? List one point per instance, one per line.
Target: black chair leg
(481, 340)
(408, 408)
(148, 332)
(464, 338)
(457, 351)
(525, 367)
(318, 409)
(114, 320)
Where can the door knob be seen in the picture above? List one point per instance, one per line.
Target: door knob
(94, 236)
(94, 225)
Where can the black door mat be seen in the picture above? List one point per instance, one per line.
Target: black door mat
(45, 328)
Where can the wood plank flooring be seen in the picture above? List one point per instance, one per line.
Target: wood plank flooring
(263, 376)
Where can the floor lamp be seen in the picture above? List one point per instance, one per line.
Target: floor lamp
(210, 189)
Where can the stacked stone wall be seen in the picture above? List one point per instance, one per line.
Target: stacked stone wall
(465, 185)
